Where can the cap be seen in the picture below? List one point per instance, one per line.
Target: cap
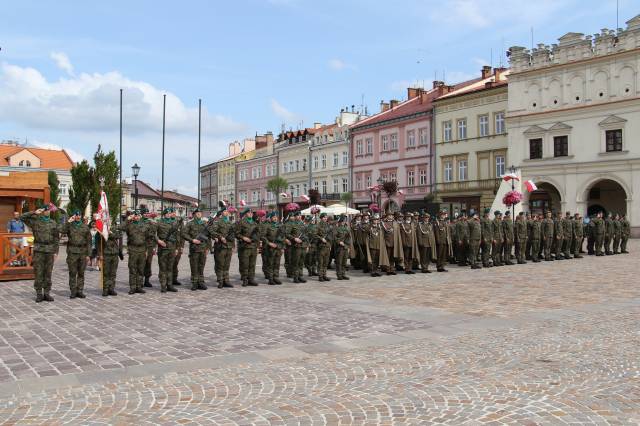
(75, 212)
(507, 213)
(245, 211)
(196, 210)
(487, 210)
(497, 213)
(271, 214)
(323, 215)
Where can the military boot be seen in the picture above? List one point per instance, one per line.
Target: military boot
(277, 281)
(220, 284)
(271, 282)
(73, 293)
(245, 282)
(194, 286)
(172, 289)
(202, 286)
(301, 279)
(105, 292)
(112, 292)
(81, 295)
(226, 283)
(176, 282)
(39, 297)
(146, 282)
(326, 278)
(47, 297)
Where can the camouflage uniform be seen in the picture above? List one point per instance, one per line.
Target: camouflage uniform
(599, 231)
(176, 260)
(498, 238)
(475, 235)
(322, 243)
(110, 258)
(46, 240)
(295, 229)
(521, 238)
(151, 249)
(137, 237)
(547, 237)
(78, 250)
(487, 239)
(624, 235)
(578, 236)
(247, 251)
(168, 231)
(617, 235)
(341, 242)
(567, 231)
(535, 235)
(195, 229)
(273, 235)
(608, 234)
(558, 231)
(508, 238)
(224, 233)
(311, 258)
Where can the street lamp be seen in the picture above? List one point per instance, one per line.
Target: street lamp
(135, 169)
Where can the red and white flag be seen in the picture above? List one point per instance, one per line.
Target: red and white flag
(102, 216)
(243, 203)
(305, 197)
(284, 195)
(510, 176)
(530, 186)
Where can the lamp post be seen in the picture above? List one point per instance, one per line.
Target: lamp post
(135, 169)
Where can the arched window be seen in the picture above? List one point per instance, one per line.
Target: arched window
(24, 163)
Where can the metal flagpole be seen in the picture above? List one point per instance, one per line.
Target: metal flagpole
(101, 263)
(199, 136)
(120, 165)
(164, 108)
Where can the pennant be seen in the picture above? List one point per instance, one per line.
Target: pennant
(510, 176)
(530, 186)
(102, 216)
(284, 195)
(304, 197)
(243, 203)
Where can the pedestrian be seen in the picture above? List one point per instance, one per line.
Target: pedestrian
(548, 236)
(625, 234)
(487, 238)
(46, 240)
(443, 241)
(535, 236)
(498, 239)
(149, 220)
(375, 247)
(578, 236)
(79, 249)
(567, 233)
(426, 241)
(617, 234)
(462, 237)
(297, 245)
(111, 255)
(599, 229)
(393, 243)
(508, 238)
(323, 241)
(16, 226)
(409, 243)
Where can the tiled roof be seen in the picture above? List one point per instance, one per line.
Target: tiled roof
(144, 190)
(49, 158)
(176, 196)
(479, 85)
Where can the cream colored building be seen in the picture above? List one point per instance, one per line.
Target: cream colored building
(574, 122)
(471, 142)
(292, 150)
(330, 168)
(227, 169)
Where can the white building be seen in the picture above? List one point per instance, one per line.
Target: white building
(574, 122)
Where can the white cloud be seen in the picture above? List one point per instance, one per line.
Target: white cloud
(75, 155)
(282, 112)
(62, 61)
(339, 65)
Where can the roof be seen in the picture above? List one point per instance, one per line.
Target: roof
(479, 85)
(49, 158)
(144, 190)
(173, 195)
(408, 107)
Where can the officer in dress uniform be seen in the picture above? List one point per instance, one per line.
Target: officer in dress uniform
(426, 241)
(443, 241)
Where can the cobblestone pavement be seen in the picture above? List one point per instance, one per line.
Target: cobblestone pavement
(549, 343)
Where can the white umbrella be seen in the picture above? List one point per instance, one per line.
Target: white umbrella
(336, 209)
(307, 211)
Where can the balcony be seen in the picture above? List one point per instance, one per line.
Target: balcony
(334, 196)
(469, 185)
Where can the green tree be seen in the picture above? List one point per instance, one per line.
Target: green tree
(106, 166)
(277, 185)
(346, 197)
(54, 188)
(81, 188)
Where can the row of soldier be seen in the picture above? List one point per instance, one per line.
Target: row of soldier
(374, 244)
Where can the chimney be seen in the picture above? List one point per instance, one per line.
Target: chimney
(317, 125)
(437, 83)
(413, 92)
(384, 106)
(486, 71)
(394, 103)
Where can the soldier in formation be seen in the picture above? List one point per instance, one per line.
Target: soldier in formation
(78, 253)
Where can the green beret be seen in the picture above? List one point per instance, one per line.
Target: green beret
(497, 213)
(245, 211)
(323, 215)
(487, 210)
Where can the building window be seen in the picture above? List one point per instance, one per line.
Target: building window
(535, 148)
(62, 188)
(560, 146)
(291, 166)
(359, 147)
(304, 188)
(411, 138)
(324, 186)
(345, 185)
(369, 145)
(297, 190)
(394, 141)
(368, 181)
(411, 179)
(499, 165)
(345, 158)
(462, 170)
(315, 163)
(254, 196)
(297, 165)
(336, 187)
(500, 128)
(448, 171)
(304, 164)
(392, 176)
(323, 161)
(385, 142)
(447, 131)
(359, 182)
(24, 163)
(335, 159)
(614, 140)
(422, 133)
(423, 176)
(462, 129)
(484, 125)
(315, 185)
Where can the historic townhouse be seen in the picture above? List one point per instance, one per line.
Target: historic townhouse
(253, 174)
(330, 157)
(227, 169)
(471, 142)
(293, 148)
(574, 122)
(209, 186)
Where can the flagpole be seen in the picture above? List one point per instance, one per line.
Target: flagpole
(101, 266)
(199, 135)
(164, 108)
(120, 165)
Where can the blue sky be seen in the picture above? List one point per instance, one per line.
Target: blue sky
(255, 63)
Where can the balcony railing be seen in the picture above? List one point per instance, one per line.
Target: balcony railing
(469, 185)
(16, 252)
(333, 196)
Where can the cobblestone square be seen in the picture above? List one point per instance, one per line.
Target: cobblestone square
(548, 343)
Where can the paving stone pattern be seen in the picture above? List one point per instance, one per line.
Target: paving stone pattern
(551, 343)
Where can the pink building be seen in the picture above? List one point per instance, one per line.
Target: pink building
(253, 174)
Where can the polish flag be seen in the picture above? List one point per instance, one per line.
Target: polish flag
(304, 197)
(530, 186)
(102, 216)
(510, 176)
(243, 203)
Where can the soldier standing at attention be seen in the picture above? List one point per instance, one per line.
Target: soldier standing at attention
(195, 233)
(223, 232)
(137, 233)
(577, 236)
(598, 232)
(46, 240)
(535, 236)
(375, 247)
(392, 244)
(261, 225)
(322, 242)
(151, 245)
(567, 232)
(426, 241)
(311, 259)
(176, 260)
(358, 239)
(167, 234)
(608, 234)
(487, 238)
(529, 220)
(475, 236)
(508, 238)
(342, 241)
(296, 237)
(78, 253)
(547, 236)
(111, 255)
(625, 234)
(288, 264)
(247, 236)
(521, 238)
(559, 235)
(272, 242)
(443, 241)
(617, 234)
(462, 236)
(498, 238)
(409, 244)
